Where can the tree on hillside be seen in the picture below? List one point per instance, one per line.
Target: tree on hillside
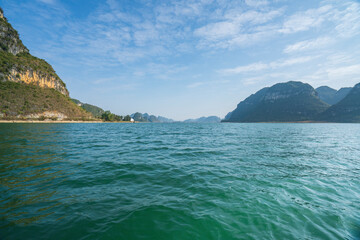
(127, 118)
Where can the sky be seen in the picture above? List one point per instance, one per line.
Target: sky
(186, 59)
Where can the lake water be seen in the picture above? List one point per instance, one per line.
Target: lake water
(179, 181)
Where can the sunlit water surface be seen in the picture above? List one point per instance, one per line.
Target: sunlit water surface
(179, 181)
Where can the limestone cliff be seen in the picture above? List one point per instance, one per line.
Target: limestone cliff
(18, 65)
(30, 89)
(38, 78)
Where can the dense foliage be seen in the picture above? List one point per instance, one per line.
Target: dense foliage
(10, 37)
(23, 62)
(283, 102)
(15, 56)
(331, 96)
(22, 99)
(94, 110)
(111, 117)
(347, 110)
(144, 117)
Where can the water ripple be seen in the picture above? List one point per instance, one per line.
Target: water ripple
(179, 181)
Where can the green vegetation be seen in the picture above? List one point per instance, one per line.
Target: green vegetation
(283, 102)
(23, 62)
(347, 110)
(331, 96)
(10, 37)
(139, 117)
(107, 116)
(24, 99)
(296, 101)
(15, 56)
(94, 110)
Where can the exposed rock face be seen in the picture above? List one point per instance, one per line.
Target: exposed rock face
(18, 65)
(37, 78)
(10, 41)
(53, 115)
(29, 86)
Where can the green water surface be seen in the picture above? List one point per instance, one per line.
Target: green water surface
(179, 181)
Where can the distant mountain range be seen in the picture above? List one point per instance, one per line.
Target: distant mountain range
(346, 110)
(139, 117)
(145, 117)
(296, 102)
(331, 96)
(211, 119)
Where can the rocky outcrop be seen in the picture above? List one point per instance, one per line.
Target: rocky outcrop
(29, 86)
(37, 78)
(10, 41)
(48, 115)
(18, 65)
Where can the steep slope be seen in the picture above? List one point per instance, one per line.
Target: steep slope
(27, 101)
(347, 110)
(30, 88)
(283, 102)
(94, 110)
(17, 65)
(331, 96)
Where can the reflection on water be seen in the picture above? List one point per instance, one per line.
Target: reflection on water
(179, 181)
(31, 168)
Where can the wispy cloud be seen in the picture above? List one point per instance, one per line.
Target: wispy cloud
(344, 71)
(236, 28)
(343, 16)
(48, 1)
(348, 20)
(257, 67)
(247, 68)
(303, 21)
(195, 84)
(112, 34)
(309, 45)
(256, 3)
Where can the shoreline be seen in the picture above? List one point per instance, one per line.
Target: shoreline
(54, 121)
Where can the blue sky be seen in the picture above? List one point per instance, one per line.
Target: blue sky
(187, 59)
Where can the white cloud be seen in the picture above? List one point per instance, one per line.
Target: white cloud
(236, 29)
(256, 3)
(344, 71)
(348, 20)
(303, 21)
(195, 84)
(290, 62)
(218, 30)
(257, 67)
(344, 17)
(320, 42)
(247, 68)
(48, 1)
